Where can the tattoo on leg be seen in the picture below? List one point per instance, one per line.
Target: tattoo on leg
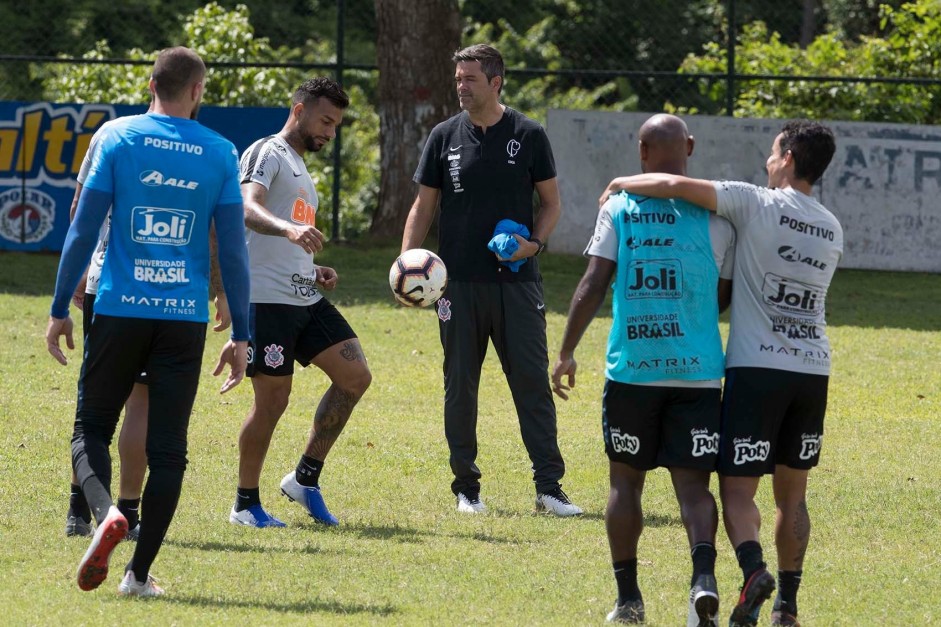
(331, 417)
(801, 531)
(351, 352)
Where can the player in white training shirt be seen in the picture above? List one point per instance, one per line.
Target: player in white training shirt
(290, 319)
(778, 360)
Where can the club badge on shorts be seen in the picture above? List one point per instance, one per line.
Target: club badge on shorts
(444, 309)
(274, 356)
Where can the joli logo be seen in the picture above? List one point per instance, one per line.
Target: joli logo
(152, 225)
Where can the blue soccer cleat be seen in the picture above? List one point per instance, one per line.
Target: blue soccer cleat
(309, 498)
(254, 516)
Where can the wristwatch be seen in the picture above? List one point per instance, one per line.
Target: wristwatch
(539, 243)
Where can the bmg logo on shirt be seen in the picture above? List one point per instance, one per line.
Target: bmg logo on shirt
(170, 227)
(655, 278)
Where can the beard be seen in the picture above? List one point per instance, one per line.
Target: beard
(310, 143)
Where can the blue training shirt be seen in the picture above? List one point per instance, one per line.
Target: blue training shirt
(169, 177)
(666, 315)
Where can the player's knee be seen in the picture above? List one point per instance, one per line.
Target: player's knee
(357, 383)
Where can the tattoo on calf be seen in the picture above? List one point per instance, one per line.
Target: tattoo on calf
(802, 530)
(332, 415)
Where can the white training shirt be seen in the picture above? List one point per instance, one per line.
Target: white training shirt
(604, 243)
(98, 257)
(788, 248)
(281, 272)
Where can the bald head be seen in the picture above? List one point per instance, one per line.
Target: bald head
(665, 143)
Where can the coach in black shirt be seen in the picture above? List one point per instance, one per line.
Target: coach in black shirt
(484, 165)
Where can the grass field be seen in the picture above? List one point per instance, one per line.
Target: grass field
(401, 554)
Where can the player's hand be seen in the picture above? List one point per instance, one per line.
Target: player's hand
(223, 317)
(526, 249)
(307, 237)
(565, 366)
(616, 186)
(78, 297)
(235, 354)
(326, 278)
(58, 327)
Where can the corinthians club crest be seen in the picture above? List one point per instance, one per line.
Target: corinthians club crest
(26, 216)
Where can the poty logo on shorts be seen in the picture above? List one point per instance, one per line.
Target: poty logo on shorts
(26, 218)
(153, 225)
(624, 442)
(274, 356)
(746, 452)
(444, 309)
(705, 443)
(810, 445)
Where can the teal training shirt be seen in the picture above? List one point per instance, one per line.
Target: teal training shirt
(666, 314)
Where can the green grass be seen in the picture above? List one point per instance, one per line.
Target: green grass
(402, 555)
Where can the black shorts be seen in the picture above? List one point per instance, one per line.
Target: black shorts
(648, 426)
(283, 334)
(771, 417)
(88, 315)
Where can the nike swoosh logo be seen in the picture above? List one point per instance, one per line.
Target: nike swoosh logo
(458, 148)
(542, 306)
(295, 173)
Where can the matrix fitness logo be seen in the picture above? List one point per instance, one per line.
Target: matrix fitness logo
(41, 146)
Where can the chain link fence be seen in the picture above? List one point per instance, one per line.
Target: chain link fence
(790, 57)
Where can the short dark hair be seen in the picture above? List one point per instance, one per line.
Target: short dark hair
(175, 70)
(321, 87)
(812, 146)
(490, 59)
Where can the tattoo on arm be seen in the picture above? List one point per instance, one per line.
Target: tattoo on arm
(215, 274)
(262, 221)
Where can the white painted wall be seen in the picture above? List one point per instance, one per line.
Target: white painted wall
(884, 183)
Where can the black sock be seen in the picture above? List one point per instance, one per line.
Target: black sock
(788, 583)
(78, 506)
(625, 574)
(308, 471)
(245, 498)
(131, 510)
(704, 560)
(750, 558)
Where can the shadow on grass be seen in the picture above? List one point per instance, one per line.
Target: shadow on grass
(232, 547)
(296, 607)
(859, 298)
(409, 535)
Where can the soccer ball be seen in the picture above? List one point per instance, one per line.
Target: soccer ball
(418, 278)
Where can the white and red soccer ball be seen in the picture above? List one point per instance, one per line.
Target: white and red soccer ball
(418, 278)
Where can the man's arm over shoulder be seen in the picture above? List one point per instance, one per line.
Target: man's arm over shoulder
(699, 192)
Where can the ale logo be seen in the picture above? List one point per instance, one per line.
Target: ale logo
(170, 227)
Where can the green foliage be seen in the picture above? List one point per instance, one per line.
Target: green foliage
(910, 46)
(223, 36)
(535, 95)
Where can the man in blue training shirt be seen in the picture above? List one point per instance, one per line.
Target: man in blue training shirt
(664, 363)
(167, 180)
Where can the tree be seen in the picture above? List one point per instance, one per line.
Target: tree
(416, 91)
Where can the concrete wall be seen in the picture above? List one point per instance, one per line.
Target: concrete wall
(884, 183)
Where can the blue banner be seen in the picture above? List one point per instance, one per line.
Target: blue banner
(41, 149)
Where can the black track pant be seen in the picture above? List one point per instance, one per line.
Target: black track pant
(116, 351)
(513, 315)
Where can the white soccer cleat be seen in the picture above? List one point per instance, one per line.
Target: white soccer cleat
(254, 516)
(556, 502)
(470, 504)
(130, 587)
(93, 569)
(703, 603)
